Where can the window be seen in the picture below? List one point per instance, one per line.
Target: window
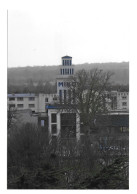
(46, 99)
(55, 98)
(53, 118)
(65, 94)
(31, 105)
(20, 105)
(72, 71)
(124, 97)
(54, 128)
(11, 105)
(68, 125)
(20, 99)
(70, 62)
(60, 93)
(42, 123)
(69, 95)
(11, 99)
(124, 103)
(31, 98)
(60, 96)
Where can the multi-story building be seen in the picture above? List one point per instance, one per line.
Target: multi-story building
(119, 101)
(35, 102)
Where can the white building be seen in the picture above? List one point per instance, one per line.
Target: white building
(119, 101)
(36, 103)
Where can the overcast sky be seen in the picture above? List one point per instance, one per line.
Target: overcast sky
(89, 31)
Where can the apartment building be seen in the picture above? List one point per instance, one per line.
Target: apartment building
(119, 101)
(34, 102)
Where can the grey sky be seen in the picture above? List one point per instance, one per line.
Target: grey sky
(89, 31)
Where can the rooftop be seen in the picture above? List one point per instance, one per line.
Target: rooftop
(66, 57)
(21, 95)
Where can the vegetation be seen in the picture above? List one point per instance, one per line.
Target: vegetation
(30, 87)
(26, 79)
(114, 176)
(37, 161)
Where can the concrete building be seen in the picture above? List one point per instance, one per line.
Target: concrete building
(119, 101)
(35, 103)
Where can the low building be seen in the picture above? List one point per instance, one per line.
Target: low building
(34, 102)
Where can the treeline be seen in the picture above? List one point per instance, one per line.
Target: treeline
(21, 75)
(48, 88)
(30, 87)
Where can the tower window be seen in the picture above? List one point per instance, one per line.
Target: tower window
(65, 95)
(60, 93)
(70, 72)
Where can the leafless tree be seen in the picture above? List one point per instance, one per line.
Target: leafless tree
(86, 95)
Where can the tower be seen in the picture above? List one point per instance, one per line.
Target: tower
(63, 80)
(66, 68)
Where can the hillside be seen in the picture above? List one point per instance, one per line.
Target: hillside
(21, 75)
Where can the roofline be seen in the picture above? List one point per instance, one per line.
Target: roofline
(66, 57)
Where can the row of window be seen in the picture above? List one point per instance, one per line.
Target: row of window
(124, 97)
(54, 98)
(67, 71)
(66, 62)
(123, 94)
(21, 105)
(21, 99)
(30, 99)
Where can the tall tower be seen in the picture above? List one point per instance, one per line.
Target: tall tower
(66, 68)
(64, 77)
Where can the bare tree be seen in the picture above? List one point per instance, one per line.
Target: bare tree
(86, 95)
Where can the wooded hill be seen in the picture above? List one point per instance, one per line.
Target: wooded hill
(20, 75)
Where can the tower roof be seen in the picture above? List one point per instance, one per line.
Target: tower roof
(66, 57)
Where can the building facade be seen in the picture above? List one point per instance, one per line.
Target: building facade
(35, 103)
